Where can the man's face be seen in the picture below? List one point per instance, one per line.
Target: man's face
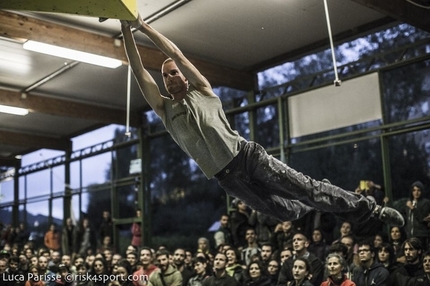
(266, 252)
(365, 254)
(65, 260)
(13, 266)
(55, 256)
(224, 221)
(145, 256)
(3, 266)
(426, 264)
(299, 242)
(250, 236)
(285, 254)
(220, 261)
(188, 257)
(43, 263)
(411, 254)
(334, 267)
(108, 255)
(174, 80)
(202, 244)
(163, 262)
(179, 256)
(348, 242)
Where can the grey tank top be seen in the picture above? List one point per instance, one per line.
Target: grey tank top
(199, 126)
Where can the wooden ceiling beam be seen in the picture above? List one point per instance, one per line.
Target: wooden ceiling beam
(402, 11)
(18, 26)
(61, 107)
(34, 141)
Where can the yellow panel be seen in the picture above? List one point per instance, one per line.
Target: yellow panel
(117, 9)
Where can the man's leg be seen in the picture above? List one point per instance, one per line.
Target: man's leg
(282, 188)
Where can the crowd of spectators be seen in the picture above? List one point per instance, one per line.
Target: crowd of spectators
(248, 249)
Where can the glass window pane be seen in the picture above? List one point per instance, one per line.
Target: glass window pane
(344, 165)
(407, 92)
(95, 170)
(6, 191)
(39, 183)
(410, 159)
(267, 129)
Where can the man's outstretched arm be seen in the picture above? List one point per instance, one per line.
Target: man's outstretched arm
(171, 50)
(146, 82)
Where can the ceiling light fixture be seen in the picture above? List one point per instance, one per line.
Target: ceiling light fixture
(71, 54)
(13, 110)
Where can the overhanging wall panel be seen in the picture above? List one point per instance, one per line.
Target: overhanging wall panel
(356, 101)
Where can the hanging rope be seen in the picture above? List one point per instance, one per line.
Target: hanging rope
(337, 81)
(127, 124)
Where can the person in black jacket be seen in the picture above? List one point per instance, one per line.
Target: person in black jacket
(370, 271)
(257, 275)
(220, 276)
(300, 245)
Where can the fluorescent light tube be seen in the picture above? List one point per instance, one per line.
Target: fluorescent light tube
(71, 54)
(13, 110)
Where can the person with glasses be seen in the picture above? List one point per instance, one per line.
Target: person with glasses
(273, 268)
(370, 271)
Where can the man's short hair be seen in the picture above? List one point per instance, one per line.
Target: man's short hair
(162, 252)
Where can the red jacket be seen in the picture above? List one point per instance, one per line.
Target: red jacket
(345, 282)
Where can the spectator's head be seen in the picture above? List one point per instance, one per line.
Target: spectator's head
(146, 256)
(339, 248)
(179, 256)
(3, 265)
(132, 258)
(224, 220)
(300, 243)
(233, 256)
(250, 235)
(220, 261)
(366, 252)
(162, 257)
(417, 190)
(266, 251)
(412, 249)
(255, 270)
(335, 264)
(301, 269)
(426, 263)
(386, 254)
(99, 266)
(199, 265)
(66, 260)
(203, 244)
(273, 267)
(317, 236)
(397, 234)
(345, 229)
(123, 270)
(285, 254)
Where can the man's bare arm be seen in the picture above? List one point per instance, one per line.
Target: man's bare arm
(146, 82)
(171, 50)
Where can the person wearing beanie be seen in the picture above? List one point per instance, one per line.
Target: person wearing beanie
(418, 208)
